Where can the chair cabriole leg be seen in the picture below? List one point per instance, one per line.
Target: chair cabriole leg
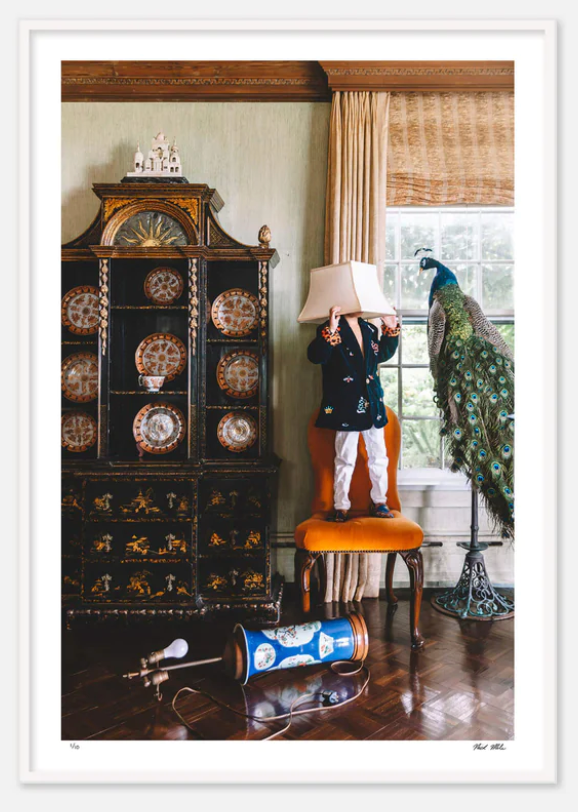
(306, 567)
(414, 562)
(389, 570)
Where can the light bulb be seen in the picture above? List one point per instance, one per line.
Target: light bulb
(177, 649)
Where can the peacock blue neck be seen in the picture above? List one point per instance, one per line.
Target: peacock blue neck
(442, 278)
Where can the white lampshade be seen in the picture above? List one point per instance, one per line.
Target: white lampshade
(353, 286)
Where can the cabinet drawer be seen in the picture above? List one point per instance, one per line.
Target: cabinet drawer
(139, 582)
(140, 499)
(219, 535)
(154, 541)
(234, 497)
(233, 577)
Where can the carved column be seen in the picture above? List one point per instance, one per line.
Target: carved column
(103, 358)
(193, 338)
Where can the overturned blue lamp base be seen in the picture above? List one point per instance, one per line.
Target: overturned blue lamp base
(249, 653)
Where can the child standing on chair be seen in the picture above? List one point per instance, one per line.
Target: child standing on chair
(349, 350)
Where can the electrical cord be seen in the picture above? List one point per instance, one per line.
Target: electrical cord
(328, 697)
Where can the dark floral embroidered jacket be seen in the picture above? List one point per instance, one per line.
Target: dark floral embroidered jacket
(352, 393)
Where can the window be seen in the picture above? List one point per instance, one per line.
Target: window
(477, 244)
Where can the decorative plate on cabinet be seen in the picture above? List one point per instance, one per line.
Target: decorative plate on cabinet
(80, 310)
(161, 354)
(238, 374)
(78, 431)
(163, 286)
(80, 377)
(159, 427)
(235, 312)
(237, 431)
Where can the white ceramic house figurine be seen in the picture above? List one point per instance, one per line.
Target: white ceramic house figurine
(162, 159)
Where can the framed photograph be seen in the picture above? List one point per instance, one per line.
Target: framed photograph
(166, 482)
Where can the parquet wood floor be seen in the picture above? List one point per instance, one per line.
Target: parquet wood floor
(459, 687)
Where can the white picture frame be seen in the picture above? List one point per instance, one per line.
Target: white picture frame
(43, 758)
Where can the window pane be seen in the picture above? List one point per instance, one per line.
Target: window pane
(459, 236)
(417, 395)
(414, 287)
(508, 334)
(414, 338)
(498, 236)
(391, 236)
(417, 231)
(390, 284)
(389, 380)
(421, 444)
(466, 275)
(498, 287)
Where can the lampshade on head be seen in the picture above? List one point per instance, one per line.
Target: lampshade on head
(353, 286)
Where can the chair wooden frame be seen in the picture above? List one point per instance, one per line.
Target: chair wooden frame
(413, 560)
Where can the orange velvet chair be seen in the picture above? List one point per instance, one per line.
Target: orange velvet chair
(361, 533)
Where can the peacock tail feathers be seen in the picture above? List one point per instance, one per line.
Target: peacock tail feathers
(474, 390)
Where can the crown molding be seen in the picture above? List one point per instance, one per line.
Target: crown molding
(420, 76)
(272, 81)
(194, 81)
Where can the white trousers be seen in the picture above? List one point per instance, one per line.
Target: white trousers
(346, 443)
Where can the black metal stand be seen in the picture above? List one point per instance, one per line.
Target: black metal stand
(474, 597)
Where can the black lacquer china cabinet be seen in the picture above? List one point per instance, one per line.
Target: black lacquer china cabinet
(168, 476)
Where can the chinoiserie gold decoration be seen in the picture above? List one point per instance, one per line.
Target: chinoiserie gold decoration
(173, 545)
(141, 502)
(102, 503)
(69, 501)
(103, 303)
(216, 582)
(252, 580)
(193, 304)
(216, 540)
(216, 498)
(103, 544)
(264, 236)
(112, 204)
(137, 545)
(138, 583)
(190, 205)
(252, 540)
(102, 584)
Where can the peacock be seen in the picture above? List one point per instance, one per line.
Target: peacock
(473, 372)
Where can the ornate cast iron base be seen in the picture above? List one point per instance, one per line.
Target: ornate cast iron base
(474, 597)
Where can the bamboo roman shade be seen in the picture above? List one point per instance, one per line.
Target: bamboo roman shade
(450, 149)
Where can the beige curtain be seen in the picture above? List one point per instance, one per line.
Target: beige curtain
(355, 229)
(450, 149)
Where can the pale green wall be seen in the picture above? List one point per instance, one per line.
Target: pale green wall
(268, 162)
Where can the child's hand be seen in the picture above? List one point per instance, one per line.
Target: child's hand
(390, 321)
(334, 318)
